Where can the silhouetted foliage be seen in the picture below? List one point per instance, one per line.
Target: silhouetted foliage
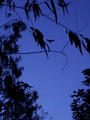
(74, 38)
(39, 38)
(21, 103)
(87, 46)
(41, 8)
(15, 97)
(81, 100)
(18, 101)
(63, 5)
(86, 72)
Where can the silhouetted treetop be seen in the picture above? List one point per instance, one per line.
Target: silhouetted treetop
(18, 100)
(86, 73)
(81, 100)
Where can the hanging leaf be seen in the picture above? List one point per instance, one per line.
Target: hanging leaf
(46, 3)
(74, 38)
(27, 8)
(36, 10)
(54, 10)
(39, 38)
(87, 46)
(63, 5)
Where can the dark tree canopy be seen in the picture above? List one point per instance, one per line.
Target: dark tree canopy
(18, 101)
(81, 100)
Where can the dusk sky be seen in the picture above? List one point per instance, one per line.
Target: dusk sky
(53, 86)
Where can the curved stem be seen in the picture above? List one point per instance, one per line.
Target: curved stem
(49, 51)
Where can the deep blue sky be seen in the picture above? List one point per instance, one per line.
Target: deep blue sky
(54, 88)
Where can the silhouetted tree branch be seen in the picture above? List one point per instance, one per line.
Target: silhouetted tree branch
(36, 8)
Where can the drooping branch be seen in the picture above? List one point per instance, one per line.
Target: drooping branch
(45, 16)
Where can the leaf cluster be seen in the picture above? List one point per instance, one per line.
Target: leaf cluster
(78, 40)
(86, 72)
(39, 38)
(81, 100)
(37, 8)
(18, 101)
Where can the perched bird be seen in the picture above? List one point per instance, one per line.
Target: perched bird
(50, 41)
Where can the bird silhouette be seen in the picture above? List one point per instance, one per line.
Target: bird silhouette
(50, 41)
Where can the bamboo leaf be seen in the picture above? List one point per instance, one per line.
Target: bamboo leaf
(36, 10)
(46, 3)
(87, 46)
(54, 10)
(75, 39)
(26, 9)
(39, 38)
(63, 5)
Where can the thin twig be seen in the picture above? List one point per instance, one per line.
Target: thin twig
(20, 7)
(58, 23)
(65, 46)
(39, 52)
(83, 27)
